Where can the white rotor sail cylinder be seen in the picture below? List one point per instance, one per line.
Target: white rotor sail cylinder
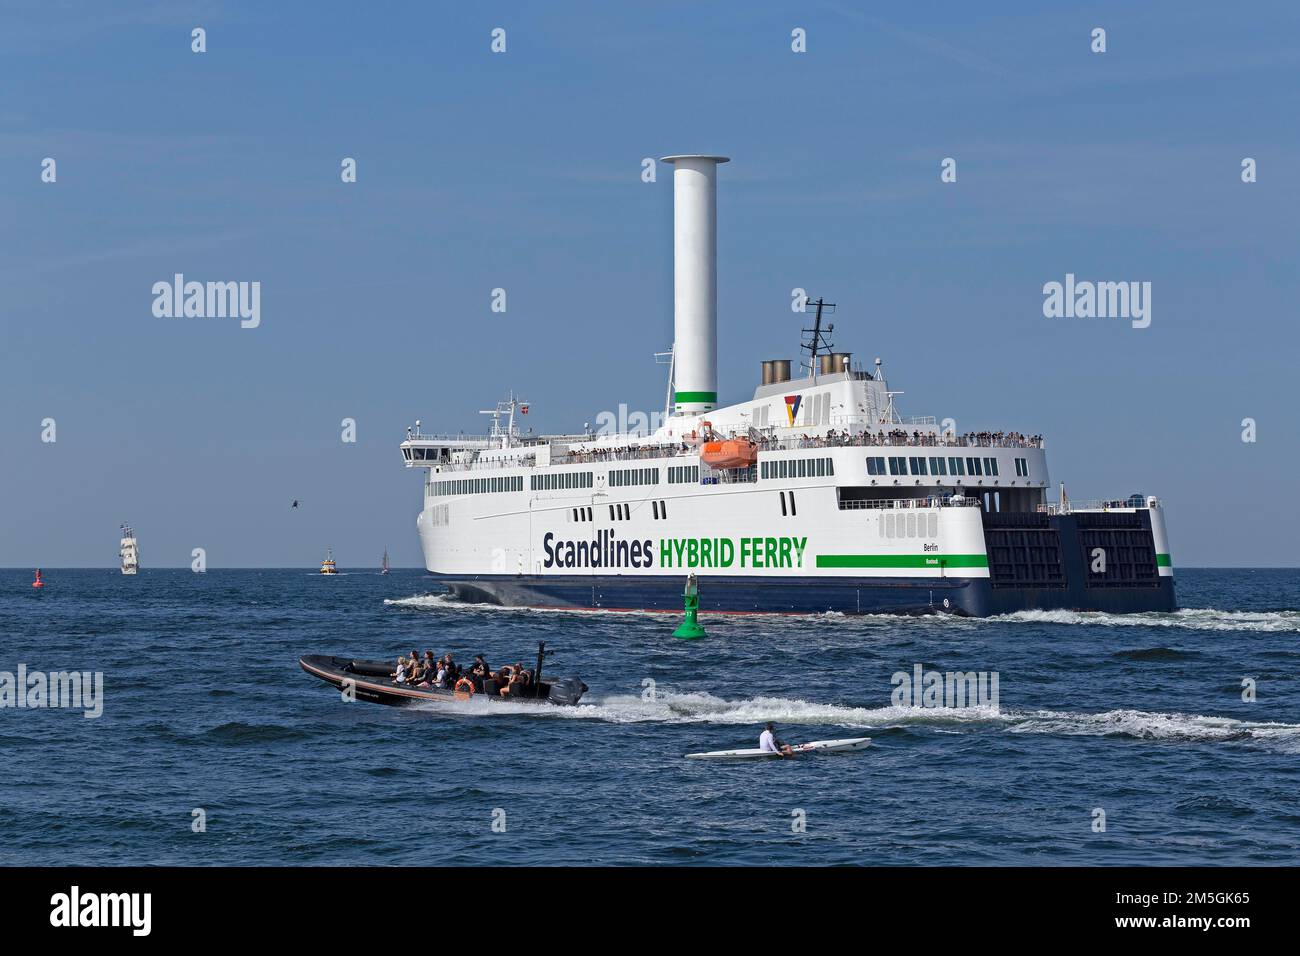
(695, 283)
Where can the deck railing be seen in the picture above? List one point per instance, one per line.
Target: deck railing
(604, 456)
(1099, 504)
(930, 501)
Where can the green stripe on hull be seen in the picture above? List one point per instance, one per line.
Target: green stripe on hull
(695, 398)
(1162, 561)
(902, 560)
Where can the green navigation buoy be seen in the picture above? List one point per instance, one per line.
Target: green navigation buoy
(690, 629)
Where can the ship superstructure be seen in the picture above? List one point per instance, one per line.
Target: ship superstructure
(814, 495)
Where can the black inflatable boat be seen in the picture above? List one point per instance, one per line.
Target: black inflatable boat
(370, 680)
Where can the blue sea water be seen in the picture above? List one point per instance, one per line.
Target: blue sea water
(205, 707)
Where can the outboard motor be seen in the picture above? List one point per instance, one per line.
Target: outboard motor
(565, 690)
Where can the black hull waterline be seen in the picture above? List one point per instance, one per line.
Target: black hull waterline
(369, 681)
(973, 597)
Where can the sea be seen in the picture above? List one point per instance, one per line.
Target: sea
(1114, 740)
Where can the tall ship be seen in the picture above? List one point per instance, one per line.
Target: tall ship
(129, 551)
(815, 495)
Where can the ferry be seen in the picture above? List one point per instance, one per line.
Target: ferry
(815, 495)
(328, 566)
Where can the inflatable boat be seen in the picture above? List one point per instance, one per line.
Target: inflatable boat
(371, 680)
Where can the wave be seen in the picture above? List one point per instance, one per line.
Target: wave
(1154, 654)
(448, 602)
(1199, 619)
(1147, 725)
(668, 707)
(238, 732)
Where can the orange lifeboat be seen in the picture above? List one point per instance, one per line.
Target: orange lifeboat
(732, 453)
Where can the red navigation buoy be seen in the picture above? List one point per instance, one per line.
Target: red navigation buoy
(38, 583)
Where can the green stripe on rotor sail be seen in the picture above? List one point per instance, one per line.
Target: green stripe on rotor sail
(695, 398)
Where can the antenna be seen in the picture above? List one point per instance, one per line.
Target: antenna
(668, 358)
(815, 339)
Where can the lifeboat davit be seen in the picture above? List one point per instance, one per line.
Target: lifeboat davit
(732, 453)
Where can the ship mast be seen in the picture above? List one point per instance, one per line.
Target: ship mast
(506, 408)
(816, 340)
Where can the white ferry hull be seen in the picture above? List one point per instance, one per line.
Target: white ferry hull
(609, 549)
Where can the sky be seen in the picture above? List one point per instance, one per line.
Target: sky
(522, 170)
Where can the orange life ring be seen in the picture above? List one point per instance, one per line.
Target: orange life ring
(464, 688)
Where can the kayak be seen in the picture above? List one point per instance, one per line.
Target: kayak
(813, 746)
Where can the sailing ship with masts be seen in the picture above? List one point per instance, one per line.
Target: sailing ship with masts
(129, 551)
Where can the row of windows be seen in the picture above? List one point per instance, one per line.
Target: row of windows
(420, 454)
(959, 467)
(633, 476)
(479, 486)
(560, 480)
(798, 468)
(619, 512)
(690, 474)
(914, 524)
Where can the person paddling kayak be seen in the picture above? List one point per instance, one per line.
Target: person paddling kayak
(768, 743)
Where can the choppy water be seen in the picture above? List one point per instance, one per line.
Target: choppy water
(205, 707)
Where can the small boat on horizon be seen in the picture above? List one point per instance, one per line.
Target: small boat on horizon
(129, 551)
(328, 566)
(383, 568)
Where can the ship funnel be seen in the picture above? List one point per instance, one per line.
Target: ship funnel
(695, 283)
(776, 371)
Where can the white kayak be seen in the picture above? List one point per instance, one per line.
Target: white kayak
(813, 746)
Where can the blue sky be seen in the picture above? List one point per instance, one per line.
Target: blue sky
(522, 170)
